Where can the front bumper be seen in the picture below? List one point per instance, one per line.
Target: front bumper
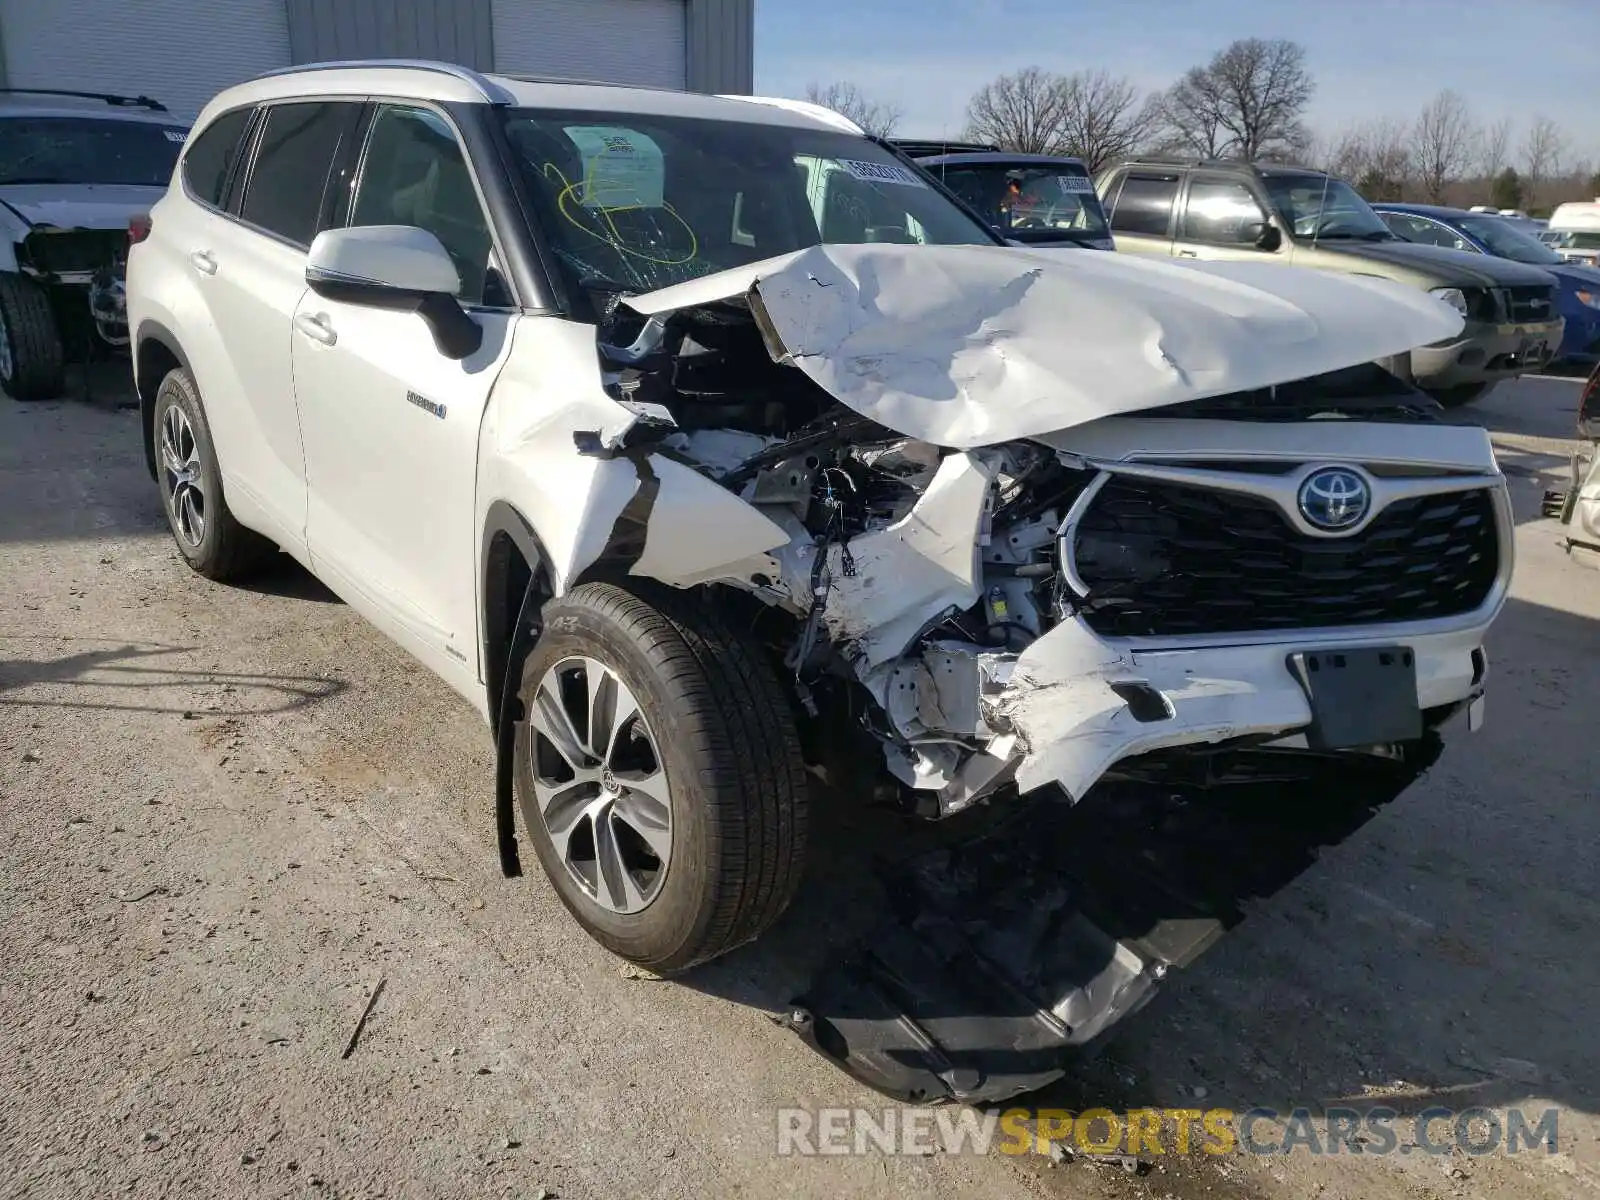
(1487, 353)
(1068, 698)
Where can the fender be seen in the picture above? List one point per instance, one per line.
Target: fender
(13, 228)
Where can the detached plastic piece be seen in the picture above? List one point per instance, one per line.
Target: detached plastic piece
(1011, 952)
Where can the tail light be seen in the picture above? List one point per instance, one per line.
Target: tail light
(138, 228)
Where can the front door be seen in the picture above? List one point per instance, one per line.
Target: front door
(391, 424)
(1221, 219)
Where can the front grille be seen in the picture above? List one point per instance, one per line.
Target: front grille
(56, 253)
(1163, 559)
(1528, 303)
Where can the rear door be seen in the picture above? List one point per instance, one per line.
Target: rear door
(1220, 219)
(252, 271)
(1140, 206)
(391, 424)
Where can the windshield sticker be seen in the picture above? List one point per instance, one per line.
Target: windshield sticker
(622, 168)
(871, 172)
(174, 135)
(1075, 183)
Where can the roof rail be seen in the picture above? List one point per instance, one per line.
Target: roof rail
(521, 78)
(109, 98)
(487, 88)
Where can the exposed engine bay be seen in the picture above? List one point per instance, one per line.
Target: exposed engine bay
(923, 575)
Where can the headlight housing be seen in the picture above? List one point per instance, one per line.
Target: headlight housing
(1454, 297)
(1591, 299)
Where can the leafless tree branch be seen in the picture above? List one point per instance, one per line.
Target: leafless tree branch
(849, 101)
(1542, 147)
(1247, 102)
(1025, 112)
(1444, 143)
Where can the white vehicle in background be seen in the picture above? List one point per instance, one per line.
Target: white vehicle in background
(75, 169)
(1574, 232)
(712, 452)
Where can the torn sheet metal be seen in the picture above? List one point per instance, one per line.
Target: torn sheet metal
(967, 346)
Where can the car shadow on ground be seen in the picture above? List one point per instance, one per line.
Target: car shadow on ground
(1438, 956)
(64, 673)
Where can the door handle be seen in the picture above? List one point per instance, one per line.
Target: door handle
(1187, 254)
(316, 327)
(204, 262)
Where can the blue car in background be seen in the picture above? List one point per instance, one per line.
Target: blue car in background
(1578, 296)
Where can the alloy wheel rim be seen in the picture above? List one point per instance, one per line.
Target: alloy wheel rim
(599, 784)
(184, 479)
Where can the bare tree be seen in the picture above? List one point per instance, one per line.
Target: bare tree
(848, 100)
(1375, 156)
(1247, 101)
(1102, 118)
(1444, 143)
(1025, 112)
(1494, 147)
(1542, 148)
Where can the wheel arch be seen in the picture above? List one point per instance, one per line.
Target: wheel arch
(156, 350)
(510, 557)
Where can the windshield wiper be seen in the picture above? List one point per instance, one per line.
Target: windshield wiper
(23, 180)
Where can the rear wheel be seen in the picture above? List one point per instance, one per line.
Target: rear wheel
(659, 774)
(209, 538)
(32, 363)
(1461, 394)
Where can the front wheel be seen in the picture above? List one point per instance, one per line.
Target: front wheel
(32, 362)
(659, 774)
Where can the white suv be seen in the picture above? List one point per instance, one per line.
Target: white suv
(710, 448)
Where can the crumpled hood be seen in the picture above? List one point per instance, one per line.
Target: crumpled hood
(79, 206)
(968, 346)
(1452, 268)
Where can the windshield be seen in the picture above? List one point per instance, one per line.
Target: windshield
(1507, 241)
(1324, 208)
(87, 150)
(1567, 239)
(1030, 204)
(634, 202)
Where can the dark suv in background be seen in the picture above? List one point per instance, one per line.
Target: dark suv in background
(1219, 209)
(1036, 200)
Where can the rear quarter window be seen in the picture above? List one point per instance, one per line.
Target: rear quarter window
(1143, 204)
(211, 155)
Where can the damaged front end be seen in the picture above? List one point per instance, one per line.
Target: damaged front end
(1092, 530)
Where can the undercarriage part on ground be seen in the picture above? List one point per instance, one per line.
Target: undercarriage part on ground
(1008, 953)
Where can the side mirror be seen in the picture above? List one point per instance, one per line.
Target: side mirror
(1263, 235)
(398, 267)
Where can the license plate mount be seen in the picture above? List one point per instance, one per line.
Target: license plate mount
(1361, 697)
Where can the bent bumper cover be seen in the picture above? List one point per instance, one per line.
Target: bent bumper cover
(1068, 698)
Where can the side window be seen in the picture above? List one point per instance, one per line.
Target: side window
(1144, 204)
(414, 173)
(1431, 233)
(1221, 211)
(210, 156)
(293, 155)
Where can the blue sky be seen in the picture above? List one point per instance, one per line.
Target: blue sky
(1371, 58)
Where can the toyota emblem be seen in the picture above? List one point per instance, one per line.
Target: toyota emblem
(1335, 499)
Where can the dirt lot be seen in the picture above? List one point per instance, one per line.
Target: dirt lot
(226, 814)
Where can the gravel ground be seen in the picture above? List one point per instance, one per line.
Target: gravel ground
(226, 815)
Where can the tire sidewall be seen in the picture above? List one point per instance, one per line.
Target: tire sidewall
(679, 914)
(178, 390)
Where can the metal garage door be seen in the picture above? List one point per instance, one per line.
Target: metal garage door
(618, 41)
(178, 51)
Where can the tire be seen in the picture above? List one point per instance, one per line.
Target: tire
(717, 728)
(32, 362)
(1460, 395)
(192, 495)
